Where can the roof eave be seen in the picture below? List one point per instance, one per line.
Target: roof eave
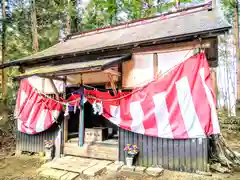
(169, 39)
(96, 68)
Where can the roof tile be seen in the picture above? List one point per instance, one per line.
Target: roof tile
(153, 29)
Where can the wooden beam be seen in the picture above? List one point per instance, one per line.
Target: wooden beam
(54, 89)
(98, 151)
(54, 78)
(113, 86)
(171, 47)
(112, 72)
(60, 73)
(78, 58)
(72, 71)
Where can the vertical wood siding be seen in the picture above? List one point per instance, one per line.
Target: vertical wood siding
(181, 155)
(35, 143)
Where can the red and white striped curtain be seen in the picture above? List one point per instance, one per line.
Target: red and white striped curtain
(178, 105)
(34, 112)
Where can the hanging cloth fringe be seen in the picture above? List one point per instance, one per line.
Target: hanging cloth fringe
(75, 107)
(97, 108)
(66, 113)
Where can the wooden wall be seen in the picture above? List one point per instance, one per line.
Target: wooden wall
(91, 78)
(137, 71)
(35, 143)
(189, 155)
(141, 69)
(147, 62)
(44, 85)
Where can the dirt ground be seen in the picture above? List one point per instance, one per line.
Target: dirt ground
(24, 168)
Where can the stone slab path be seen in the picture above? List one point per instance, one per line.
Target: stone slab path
(71, 167)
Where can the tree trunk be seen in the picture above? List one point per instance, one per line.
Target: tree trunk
(68, 23)
(34, 26)
(236, 41)
(3, 71)
(74, 17)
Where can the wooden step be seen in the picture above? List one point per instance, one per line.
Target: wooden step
(98, 151)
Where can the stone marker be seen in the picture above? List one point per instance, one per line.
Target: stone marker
(126, 168)
(116, 166)
(140, 169)
(154, 171)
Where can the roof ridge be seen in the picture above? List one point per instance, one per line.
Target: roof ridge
(170, 14)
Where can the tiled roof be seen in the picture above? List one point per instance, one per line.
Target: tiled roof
(191, 22)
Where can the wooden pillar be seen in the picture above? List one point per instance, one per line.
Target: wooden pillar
(43, 85)
(58, 144)
(66, 118)
(65, 128)
(155, 65)
(214, 80)
(112, 83)
(81, 119)
(58, 140)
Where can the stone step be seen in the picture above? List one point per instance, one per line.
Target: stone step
(97, 169)
(69, 166)
(58, 174)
